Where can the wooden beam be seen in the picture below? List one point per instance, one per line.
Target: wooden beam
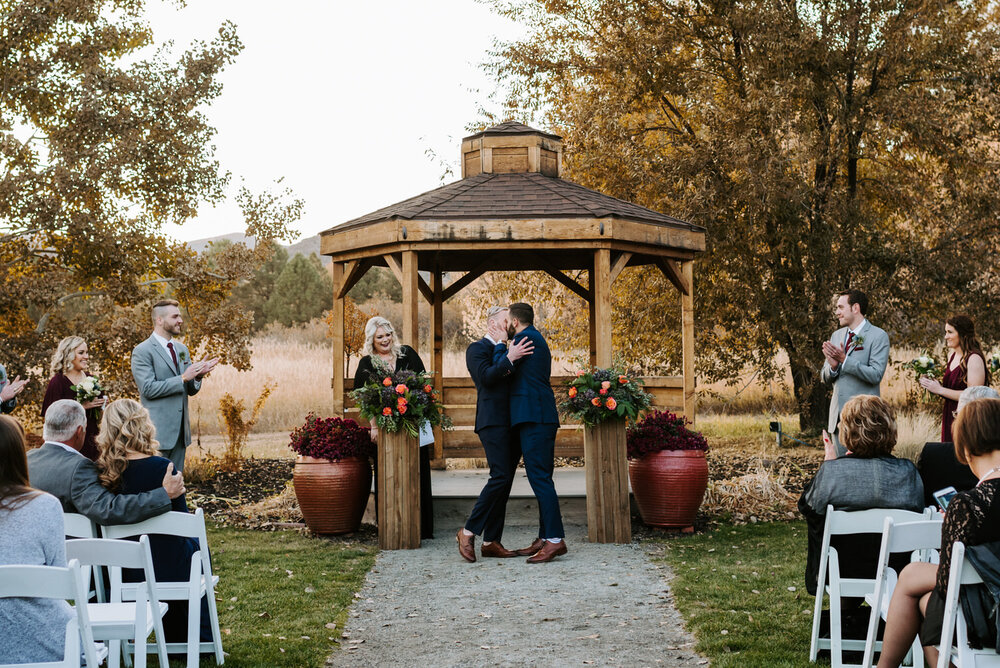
(397, 269)
(411, 307)
(437, 361)
(618, 265)
(673, 272)
(602, 306)
(354, 271)
(395, 266)
(339, 370)
(552, 270)
(687, 341)
(462, 282)
(592, 320)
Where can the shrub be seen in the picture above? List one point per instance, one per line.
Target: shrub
(236, 428)
(662, 430)
(332, 438)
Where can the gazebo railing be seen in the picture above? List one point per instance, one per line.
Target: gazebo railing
(460, 405)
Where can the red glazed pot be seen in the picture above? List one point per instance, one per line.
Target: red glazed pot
(669, 486)
(332, 495)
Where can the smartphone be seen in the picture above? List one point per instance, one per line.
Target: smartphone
(943, 496)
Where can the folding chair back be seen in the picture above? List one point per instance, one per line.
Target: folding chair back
(79, 526)
(58, 583)
(841, 523)
(201, 581)
(954, 626)
(110, 620)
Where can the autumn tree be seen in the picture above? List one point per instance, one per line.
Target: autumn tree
(103, 141)
(825, 145)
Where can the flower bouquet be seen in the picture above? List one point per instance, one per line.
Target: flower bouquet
(88, 389)
(993, 364)
(333, 439)
(601, 394)
(925, 365)
(403, 400)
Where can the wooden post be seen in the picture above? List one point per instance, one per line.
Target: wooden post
(601, 289)
(398, 491)
(608, 517)
(593, 319)
(337, 277)
(687, 340)
(410, 333)
(437, 363)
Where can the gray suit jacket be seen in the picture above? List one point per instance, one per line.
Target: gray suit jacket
(860, 373)
(72, 478)
(162, 390)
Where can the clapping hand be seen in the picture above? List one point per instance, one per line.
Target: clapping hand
(12, 389)
(834, 354)
(829, 449)
(207, 366)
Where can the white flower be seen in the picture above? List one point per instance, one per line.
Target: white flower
(924, 359)
(88, 384)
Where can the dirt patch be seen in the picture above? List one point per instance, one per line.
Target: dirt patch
(257, 480)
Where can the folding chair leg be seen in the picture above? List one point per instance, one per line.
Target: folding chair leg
(115, 654)
(213, 614)
(193, 633)
(836, 641)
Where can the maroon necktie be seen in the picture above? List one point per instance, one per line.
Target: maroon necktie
(173, 355)
(850, 337)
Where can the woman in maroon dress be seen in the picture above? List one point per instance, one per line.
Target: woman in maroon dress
(966, 367)
(69, 367)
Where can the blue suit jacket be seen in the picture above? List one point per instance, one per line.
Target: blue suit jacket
(491, 372)
(531, 396)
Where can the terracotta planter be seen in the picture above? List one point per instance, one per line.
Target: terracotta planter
(332, 495)
(669, 487)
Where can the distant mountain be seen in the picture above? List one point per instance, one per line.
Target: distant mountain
(303, 247)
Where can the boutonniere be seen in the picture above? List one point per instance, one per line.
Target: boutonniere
(859, 343)
(182, 355)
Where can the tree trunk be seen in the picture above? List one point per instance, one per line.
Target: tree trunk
(811, 395)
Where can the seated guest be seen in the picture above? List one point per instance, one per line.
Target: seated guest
(938, 466)
(57, 467)
(130, 464)
(973, 517)
(69, 367)
(9, 389)
(867, 477)
(31, 533)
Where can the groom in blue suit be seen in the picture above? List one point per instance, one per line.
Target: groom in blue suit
(535, 420)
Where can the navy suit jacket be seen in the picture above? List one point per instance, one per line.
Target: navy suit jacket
(491, 372)
(531, 396)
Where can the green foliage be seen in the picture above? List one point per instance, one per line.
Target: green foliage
(302, 292)
(401, 401)
(597, 395)
(737, 579)
(252, 294)
(378, 282)
(287, 585)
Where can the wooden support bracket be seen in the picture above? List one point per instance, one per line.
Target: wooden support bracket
(673, 272)
(619, 264)
(354, 271)
(457, 285)
(396, 266)
(556, 273)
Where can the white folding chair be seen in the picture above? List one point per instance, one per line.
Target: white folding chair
(840, 523)
(80, 526)
(59, 583)
(118, 620)
(919, 539)
(954, 625)
(201, 581)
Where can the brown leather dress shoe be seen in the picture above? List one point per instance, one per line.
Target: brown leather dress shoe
(495, 549)
(548, 552)
(535, 546)
(466, 546)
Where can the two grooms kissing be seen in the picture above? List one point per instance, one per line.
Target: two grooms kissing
(516, 417)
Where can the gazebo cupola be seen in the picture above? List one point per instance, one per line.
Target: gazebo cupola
(511, 148)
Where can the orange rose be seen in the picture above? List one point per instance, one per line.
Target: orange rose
(603, 390)
(572, 392)
(401, 389)
(606, 384)
(387, 381)
(595, 401)
(402, 408)
(611, 403)
(428, 389)
(622, 379)
(386, 411)
(401, 401)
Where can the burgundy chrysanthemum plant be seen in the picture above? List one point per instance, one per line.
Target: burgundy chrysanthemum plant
(331, 438)
(662, 430)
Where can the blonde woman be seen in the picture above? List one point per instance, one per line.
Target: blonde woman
(129, 463)
(69, 367)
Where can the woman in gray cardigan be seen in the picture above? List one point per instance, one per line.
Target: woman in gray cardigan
(32, 630)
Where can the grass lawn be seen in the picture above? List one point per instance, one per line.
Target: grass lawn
(278, 591)
(734, 588)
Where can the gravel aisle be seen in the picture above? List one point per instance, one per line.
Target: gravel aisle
(602, 605)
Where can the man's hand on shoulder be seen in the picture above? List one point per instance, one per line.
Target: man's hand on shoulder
(173, 482)
(522, 348)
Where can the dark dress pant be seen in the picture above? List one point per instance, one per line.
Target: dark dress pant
(502, 452)
(538, 445)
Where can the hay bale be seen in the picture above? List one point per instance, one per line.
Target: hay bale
(758, 495)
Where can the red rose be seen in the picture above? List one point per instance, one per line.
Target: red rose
(572, 392)
(611, 403)
(401, 389)
(595, 401)
(386, 411)
(387, 381)
(603, 390)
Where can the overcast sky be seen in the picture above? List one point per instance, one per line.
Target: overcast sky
(343, 99)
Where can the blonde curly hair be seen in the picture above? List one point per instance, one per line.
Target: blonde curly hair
(62, 358)
(868, 426)
(125, 427)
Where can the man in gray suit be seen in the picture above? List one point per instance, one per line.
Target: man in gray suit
(856, 357)
(166, 376)
(59, 469)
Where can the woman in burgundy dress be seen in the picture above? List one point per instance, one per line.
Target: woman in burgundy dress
(69, 367)
(966, 367)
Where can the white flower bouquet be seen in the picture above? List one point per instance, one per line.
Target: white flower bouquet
(88, 389)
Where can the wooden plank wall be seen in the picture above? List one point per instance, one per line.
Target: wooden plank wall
(460, 405)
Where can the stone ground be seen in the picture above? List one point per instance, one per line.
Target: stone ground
(602, 605)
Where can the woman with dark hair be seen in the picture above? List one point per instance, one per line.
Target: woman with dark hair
(973, 517)
(31, 533)
(966, 367)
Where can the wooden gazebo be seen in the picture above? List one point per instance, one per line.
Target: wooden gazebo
(511, 211)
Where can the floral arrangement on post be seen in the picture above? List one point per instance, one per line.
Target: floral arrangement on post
(332, 438)
(403, 400)
(662, 430)
(602, 394)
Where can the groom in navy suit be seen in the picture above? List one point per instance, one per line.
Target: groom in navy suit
(491, 366)
(535, 420)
